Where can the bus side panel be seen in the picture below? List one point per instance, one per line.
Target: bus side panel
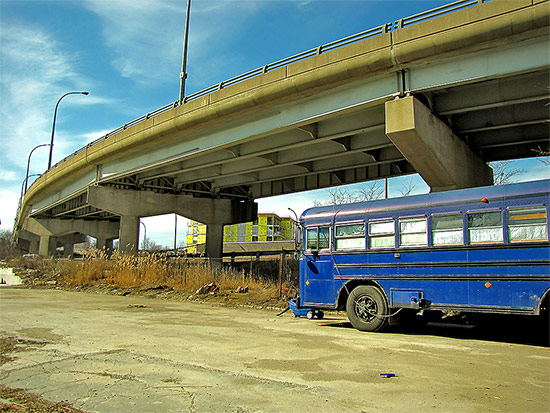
(439, 294)
(501, 296)
(520, 296)
(478, 277)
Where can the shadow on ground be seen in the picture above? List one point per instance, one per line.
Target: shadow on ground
(498, 328)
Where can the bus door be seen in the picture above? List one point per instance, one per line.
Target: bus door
(316, 268)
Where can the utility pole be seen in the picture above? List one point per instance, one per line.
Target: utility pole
(183, 73)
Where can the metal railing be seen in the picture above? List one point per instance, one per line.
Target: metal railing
(377, 31)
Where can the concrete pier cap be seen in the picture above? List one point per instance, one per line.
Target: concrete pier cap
(131, 205)
(45, 234)
(441, 158)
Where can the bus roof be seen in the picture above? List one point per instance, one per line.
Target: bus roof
(461, 196)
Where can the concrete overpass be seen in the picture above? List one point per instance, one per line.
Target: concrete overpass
(440, 94)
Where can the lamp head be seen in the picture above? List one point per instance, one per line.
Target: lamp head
(85, 93)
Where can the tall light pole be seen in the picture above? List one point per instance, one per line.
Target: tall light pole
(24, 185)
(29, 162)
(53, 125)
(183, 74)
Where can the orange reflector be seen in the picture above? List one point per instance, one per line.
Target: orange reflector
(307, 282)
(488, 284)
(485, 200)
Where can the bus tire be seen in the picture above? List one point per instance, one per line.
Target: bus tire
(367, 308)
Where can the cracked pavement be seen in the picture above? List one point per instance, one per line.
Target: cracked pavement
(107, 353)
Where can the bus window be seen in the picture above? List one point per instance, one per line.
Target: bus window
(527, 224)
(324, 238)
(485, 227)
(311, 239)
(413, 232)
(317, 238)
(447, 229)
(351, 236)
(382, 234)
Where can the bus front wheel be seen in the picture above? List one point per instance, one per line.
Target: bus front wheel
(367, 308)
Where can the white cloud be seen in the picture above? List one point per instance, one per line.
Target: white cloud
(7, 175)
(298, 202)
(36, 71)
(8, 206)
(33, 71)
(160, 229)
(141, 34)
(147, 36)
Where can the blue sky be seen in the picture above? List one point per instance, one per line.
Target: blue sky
(127, 54)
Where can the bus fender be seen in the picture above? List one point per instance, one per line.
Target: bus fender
(544, 303)
(348, 287)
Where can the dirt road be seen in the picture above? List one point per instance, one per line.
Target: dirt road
(113, 354)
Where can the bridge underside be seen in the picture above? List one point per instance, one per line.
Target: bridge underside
(495, 120)
(444, 115)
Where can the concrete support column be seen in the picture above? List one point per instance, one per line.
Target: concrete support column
(68, 250)
(129, 234)
(34, 245)
(214, 244)
(105, 244)
(442, 159)
(68, 241)
(47, 246)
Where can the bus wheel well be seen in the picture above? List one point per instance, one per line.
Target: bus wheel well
(348, 287)
(544, 304)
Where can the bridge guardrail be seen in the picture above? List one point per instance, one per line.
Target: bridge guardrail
(385, 28)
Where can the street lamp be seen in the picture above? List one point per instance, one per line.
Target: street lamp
(53, 125)
(24, 185)
(29, 162)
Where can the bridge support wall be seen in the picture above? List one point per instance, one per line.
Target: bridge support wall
(131, 205)
(442, 159)
(68, 232)
(30, 241)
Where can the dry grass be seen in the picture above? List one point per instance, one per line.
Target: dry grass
(141, 274)
(179, 274)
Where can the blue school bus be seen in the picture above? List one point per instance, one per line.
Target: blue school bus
(473, 250)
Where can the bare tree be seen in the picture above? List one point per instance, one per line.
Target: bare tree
(150, 245)
(504, 172)
(370, 191)
(543, 156)
(340, 195)
(7, 248)
(337, 196)
(408, 187)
